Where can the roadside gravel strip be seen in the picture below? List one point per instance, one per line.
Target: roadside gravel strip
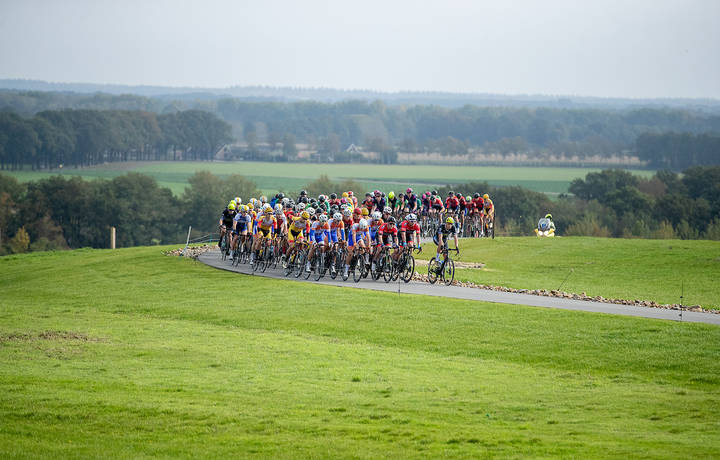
(212, 258)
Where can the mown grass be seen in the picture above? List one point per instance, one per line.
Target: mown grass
(659, 270)
(162, 356)
(272, 177)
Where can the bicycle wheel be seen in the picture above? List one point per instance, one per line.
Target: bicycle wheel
(357, 270)
(387, 267)
(305, 271)
(409, 269)
(433, 268)
(267, 255)
(320, 266)
(223, 248)
(376, 273)
(448, 273)
(334, 263)
(300, 263)
(290, 264)
(345, 276)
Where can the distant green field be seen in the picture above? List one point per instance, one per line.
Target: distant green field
(132, 354)
(274, 177)
(659, 270)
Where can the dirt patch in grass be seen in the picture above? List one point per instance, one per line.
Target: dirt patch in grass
(49, 336)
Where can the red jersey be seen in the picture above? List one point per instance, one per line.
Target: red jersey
(386, 229)
(452, 202)
(407, 227)
(478, 203)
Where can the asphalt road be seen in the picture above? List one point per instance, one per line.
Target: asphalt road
(212, 258)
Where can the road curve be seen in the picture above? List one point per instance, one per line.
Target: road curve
(212, 258)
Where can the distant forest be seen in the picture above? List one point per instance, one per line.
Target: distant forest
(105, 127)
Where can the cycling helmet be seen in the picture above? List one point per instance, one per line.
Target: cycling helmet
(363, 224)
(279, 210)
(313, 200)
(368, 194)
(334, 208)
(323, 218)
(347, 212)
(376, 193)
(333, 196)
(301, 206)
(358, 211)
(238, 200)
(391, 195)
(376, 215)
(321, 198)
(391, 220)
(486, 196)
(434, 192)
(548, 216)
(231, 206)
(268, 210)
(387, 210)
(303, 192)
(280, 196)
(304, 200)
(250, 206)
(411, 217)
(305, 215)
(345, 195)
(365, 211)
(449, 220)
(311, 211)
(263, 199)
(245, 208)
(278, 207)
(337, 216)
(350, 193)
(409, 191)
(267, 207)
(343, 200)
(285, 201)
(476, 195)
(451, 193)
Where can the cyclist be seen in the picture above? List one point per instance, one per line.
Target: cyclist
(337, 233)
(392, 201)
(374, 225)
(358, 240)
(319, 236)
(226, 220)
(353, 198)
(323, 205)
(462, 209)
(442, 235)
(241, 224)
(546, 226)
(409, 201)
(347, 220)
(410, 232)
(378, 201)
(389, 237)
(452, 203)
(368, 203)
(298, 226)
(266, 226)
(334, 200)
(488, 210)
(436, 204)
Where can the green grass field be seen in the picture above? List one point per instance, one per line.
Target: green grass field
(130, 353)
(659, 270)
(272, 177)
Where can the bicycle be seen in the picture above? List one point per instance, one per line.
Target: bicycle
(357, 266)
(383, 266)
(224, 243)
(337, 259)
(404, 268)
(444, 270)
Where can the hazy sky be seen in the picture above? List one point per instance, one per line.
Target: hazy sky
(625, 48)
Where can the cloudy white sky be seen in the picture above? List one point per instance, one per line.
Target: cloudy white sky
(626, 48)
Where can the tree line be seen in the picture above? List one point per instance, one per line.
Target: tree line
(330, 127)
(59, 213)
(87, 137)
